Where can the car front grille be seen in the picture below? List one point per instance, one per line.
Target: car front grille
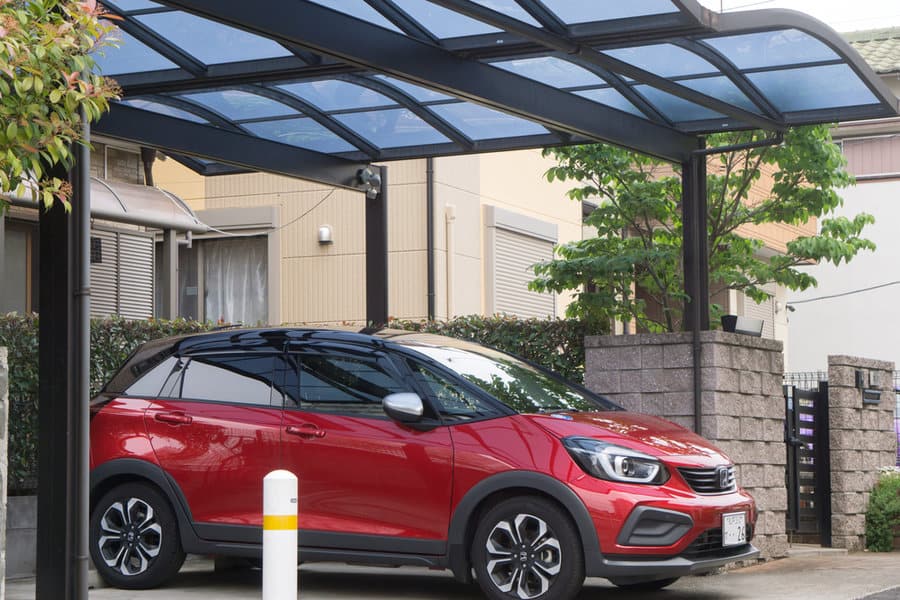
(717, 480)
(709, 545)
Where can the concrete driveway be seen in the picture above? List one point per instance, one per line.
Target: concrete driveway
(846, 577)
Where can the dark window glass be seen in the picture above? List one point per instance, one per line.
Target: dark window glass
(151, 382)
(336, 381)
(240, 378)
(454, 402)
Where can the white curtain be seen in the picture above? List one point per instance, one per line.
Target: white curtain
(236, 280)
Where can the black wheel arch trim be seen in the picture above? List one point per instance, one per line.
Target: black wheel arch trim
(134, 469)
(458, 550)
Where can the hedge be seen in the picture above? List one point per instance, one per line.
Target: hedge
(555, 344)
(112, 340)
(883, 514)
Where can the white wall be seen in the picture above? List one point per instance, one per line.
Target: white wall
(865, 324)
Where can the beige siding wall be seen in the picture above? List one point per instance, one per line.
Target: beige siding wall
(874, 156)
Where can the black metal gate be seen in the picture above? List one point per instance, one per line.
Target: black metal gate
(808, 474)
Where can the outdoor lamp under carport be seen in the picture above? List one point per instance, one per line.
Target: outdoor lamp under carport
(322, 89)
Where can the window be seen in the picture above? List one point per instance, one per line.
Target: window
(14, 291)
(238, 378)
(151, 382)
(338, 381)
(222, 280)
(454, 402)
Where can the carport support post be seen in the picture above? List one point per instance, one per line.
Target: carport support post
(377, 255)
(695, 251)
(63, 366)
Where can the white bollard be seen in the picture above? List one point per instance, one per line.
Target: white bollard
(280, 502)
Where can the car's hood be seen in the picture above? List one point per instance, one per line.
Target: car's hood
(652, 435)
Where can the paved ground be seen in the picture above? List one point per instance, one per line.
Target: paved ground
(852, 577)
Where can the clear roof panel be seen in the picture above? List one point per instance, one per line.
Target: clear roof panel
(239, 105)
(333, 94)
(360, 10)
(392, 128)
(442, 22)
(573, 11)
(511, 8)
(813, 88)
(721, 88)
(131, 56)
(482, 123)
(665, 60)
(210, 42)
(677, 110)
(128, 5)
(551, 70)
(301, 132)
(611, 97)
(416, 92)
(772, 49)
(164, 109)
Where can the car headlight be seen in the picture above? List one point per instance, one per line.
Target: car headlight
(616, 463)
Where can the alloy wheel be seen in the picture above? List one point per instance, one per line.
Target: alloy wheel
(131, 536)
(524, 556)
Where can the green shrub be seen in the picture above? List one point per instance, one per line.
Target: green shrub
(555, 344)
(112, 340)
(884, 513)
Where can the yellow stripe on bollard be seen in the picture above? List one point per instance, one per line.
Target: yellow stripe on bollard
(279, 522)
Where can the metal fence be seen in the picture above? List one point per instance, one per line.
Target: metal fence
(809, 380)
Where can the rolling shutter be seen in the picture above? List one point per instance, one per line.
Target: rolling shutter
(122, 274)
(515, 253)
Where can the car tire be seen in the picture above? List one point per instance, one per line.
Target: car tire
(646, 586)
(134, 539)
(526, 548)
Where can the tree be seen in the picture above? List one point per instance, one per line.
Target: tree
(639, 227)
(46, 78)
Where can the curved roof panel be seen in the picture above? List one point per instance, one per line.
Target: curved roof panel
(340, 84)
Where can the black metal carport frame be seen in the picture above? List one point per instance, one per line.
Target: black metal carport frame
(325, 43)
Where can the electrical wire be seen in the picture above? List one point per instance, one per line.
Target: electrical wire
(841, 295)
(280, 227)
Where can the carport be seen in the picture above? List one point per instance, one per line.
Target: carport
(322, 89)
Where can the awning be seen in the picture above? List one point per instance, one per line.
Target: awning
(315, 89)
(135, 205)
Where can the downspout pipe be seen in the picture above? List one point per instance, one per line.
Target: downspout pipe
(429, 228)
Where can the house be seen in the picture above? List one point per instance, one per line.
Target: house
(127, 217)
(852, 311)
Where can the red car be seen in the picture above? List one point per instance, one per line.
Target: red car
(410, 449)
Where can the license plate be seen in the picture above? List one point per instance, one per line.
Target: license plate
(734, 529)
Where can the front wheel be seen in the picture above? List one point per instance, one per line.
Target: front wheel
(134, 539)
(527, 548)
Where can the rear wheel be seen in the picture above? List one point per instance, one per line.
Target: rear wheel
(134, 539)
(527, 548)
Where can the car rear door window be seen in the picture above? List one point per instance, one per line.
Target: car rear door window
(150, 383)
(232, 378)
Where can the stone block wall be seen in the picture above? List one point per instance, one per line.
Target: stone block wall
(742, 404)
(863, 439)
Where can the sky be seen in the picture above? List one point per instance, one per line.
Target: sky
(842, 15)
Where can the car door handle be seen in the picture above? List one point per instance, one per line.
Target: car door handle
(307, 430)
(174, 418)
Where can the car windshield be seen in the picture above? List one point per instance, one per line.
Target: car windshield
(517, 384)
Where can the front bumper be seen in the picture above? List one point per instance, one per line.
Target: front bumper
(643, 568)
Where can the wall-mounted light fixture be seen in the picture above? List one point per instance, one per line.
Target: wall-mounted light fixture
(744, 325)
(325, 234)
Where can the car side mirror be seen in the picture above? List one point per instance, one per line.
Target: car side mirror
(405, 407)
